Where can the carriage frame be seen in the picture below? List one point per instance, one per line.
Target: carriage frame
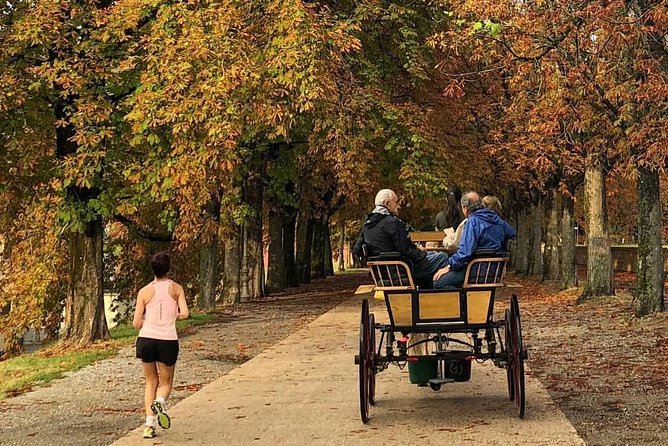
(419, 318)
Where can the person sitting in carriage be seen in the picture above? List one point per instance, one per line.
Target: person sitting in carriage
(484, 230)
(383, 232)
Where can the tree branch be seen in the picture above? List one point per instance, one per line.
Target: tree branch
(147, 235)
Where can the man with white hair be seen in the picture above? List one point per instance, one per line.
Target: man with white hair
(384, 232)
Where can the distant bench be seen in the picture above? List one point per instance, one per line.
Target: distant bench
(624, 257)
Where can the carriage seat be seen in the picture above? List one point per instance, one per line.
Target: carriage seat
(487, 268)
(472, 305)
(391, 272)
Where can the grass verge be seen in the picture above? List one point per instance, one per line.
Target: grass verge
(24, 372)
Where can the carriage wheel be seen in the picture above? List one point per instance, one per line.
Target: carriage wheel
(363, 360)
(517, 355)
(372, 360)
(509, 365)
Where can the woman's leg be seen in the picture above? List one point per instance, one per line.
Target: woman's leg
(151, 375)
(166, 373)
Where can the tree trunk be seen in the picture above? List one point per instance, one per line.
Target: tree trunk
(318, 250)
(329, 261)
(291, 278)
(552, 240)
(522, 243)
(304, 244)
(568, 267)
(209, 275)
(231, 280)
(356, 261)
(85, 319)
(275, 253)
(342, 244)
(599, 258)
(650, 252)
(244, 271)
(253, 192)
(536, 231)
(512, 221)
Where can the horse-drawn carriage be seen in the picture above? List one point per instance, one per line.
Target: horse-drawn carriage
(439, 333)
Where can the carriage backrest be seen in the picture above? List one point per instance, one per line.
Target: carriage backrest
(469, 306)
(391, 275)
(485, 272)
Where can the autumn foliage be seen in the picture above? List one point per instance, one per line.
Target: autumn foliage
(140, 125)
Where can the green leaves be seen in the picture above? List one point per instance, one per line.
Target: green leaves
(487, 27)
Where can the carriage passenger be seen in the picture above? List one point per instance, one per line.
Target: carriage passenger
(451, 216)
(484, 229)
(384, 232)
(493, 203)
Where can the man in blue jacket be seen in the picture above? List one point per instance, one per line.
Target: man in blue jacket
(484, 229)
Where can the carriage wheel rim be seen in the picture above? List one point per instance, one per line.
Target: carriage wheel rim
(363, 365)
(371, 360)
(517, 359)
(509, 363)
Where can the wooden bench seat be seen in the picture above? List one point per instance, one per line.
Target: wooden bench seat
(416, 310)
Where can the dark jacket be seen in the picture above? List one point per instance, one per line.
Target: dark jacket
(484, 229)
(386, 233)
(443, 221)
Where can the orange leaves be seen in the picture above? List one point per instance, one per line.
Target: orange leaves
(32, 271)
(454, 89)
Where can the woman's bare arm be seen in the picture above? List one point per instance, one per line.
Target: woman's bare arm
(183, 305)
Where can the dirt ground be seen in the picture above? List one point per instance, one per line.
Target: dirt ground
(603, 367)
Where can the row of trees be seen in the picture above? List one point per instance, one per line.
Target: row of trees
(581, 95)
(220, 129)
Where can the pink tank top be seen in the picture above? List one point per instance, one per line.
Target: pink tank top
(160, 315)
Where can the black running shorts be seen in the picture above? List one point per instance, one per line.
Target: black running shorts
(157, 350)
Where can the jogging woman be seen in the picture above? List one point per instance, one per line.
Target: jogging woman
(159, 305)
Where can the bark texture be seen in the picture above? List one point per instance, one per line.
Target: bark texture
(599, 258)
(290, 276)
(568, 269)
(304, 244)
(254, 193)
(329, 254)
(650, 252)
(551, 255)
(522, 243)
(275, 252)
(318, 250)
(341, 246)
(209, 275)
(536, 236)
(85, 320)
(232, 273)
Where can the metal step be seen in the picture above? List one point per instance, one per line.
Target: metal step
(439, 381)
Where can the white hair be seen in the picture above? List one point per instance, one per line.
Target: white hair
(384, 196)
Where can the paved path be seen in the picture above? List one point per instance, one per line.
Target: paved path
(304, 391)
